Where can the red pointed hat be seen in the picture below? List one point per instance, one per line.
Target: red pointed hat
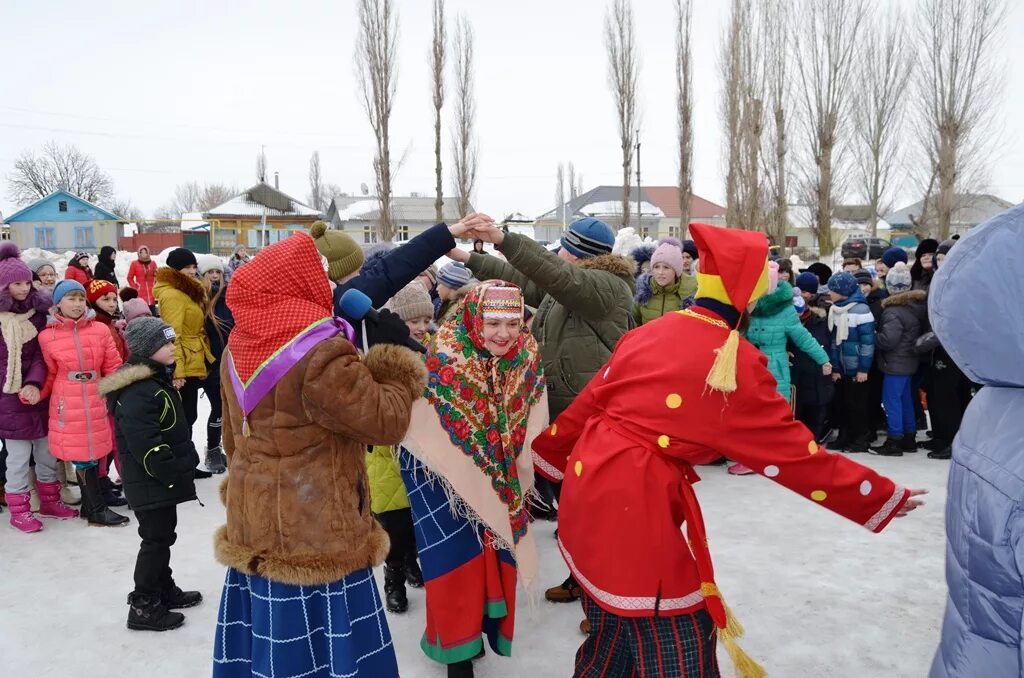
(733, 264)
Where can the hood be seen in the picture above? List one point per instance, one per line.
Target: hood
(773, 303)
(974, 304)
(125, 376)
(187, 285)
(856, 297)
(38, 300)
(905, 298)
(107, 254)
(647, 287)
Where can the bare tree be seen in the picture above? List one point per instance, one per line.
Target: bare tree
(215, 194)
(377, 65)
(58, 168)
(332, 191)
(125, 208)
(316, 185)
(261, 165)
(438, 57)
(465, 152)
(958, 81)
(575, 182)
(560, 191)
(684, 109)
(882, 77)
(828, 36)
(192, 197)
(776, 31)
(623, 78)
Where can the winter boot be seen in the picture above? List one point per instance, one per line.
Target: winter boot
(215, 460)
(50, 504)
(94, 509)
(201, 473)
(909, 443)
(892, 447)
(463, 669)
(148, 613)
(413, 574)
(69, 492)
(945, 453)
(110, 494)
(174, 598)
(566, 592)
(21, 515)
(739, 469)
(394, 589)
(857, 446)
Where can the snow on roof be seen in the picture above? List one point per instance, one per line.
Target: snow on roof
(801, 216)
(358, 210)
(614, 208)
(247, 204)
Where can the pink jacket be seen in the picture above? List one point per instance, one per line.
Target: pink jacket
(78, 354)
(142, 277)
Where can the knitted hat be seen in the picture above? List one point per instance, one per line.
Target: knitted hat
(412, 301)
(344, 256)
(97, 288)
(147, 335)
(899, 279)
(807, 282)
(822, 271)
(843, 283)
(690, 248)
(180, 257)
(209, 262)
(454, 275)
(927, 246)
(65, 286)
(504, 303)
(863, 277)
(642, 253)
(588, 237)
(945, 246)
(80, 255)
(670, 254)
(128, 293)
(893, 255)
(135, 308)
(35, 264)
(12, 268)
(773, 276)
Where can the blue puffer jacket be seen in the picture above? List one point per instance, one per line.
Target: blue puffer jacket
(981, 632)
(856, 353)
(773, 323)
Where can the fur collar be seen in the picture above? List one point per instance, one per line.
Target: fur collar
(190, 287)
(905, 298)
(125, 377)
(612, 263)
(38, 300)
(645, 288)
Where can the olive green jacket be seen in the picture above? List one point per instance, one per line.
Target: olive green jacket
(583, 309)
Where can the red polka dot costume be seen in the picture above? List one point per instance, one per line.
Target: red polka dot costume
(685, 390)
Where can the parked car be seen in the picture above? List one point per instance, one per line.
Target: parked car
(864, 248)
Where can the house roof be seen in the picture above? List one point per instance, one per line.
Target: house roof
(667, 199)
(851, 212)
(407, 208)
(109, 216)
(657, 201)
(801, 216)
(259, 200)
(971, 209)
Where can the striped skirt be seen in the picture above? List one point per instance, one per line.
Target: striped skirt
(682, 646)
(274, 630)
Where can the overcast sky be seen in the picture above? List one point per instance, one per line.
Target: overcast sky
(165, 92)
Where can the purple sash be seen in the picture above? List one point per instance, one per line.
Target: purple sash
(267, 375)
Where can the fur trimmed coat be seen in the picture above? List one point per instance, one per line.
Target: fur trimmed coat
(653, 300)
(904, 320)
(297, 497)
(182, 301)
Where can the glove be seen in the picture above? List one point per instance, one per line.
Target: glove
(389, 329)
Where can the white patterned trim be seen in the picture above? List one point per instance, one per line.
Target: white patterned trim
(548, 469)
(886, 510)
(630, 604)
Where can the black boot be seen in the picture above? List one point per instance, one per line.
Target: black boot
(202, 473)
(175, 599)
(94, 508)
(413, 574)
(892, 447)
(463, 669)
(394, 589)
(946, 453)
(148, 613)
(909, 443)
(857, 446)
(215, 460)
(111, 497)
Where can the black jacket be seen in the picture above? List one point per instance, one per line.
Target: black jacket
(875, 301)
(154, 439)
(226, 324)
(105, 266)
(904, 320)
(812, 387)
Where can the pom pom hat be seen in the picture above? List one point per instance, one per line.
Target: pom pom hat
(734, 271)
(344, 256)
(671, 254)
(12, 268)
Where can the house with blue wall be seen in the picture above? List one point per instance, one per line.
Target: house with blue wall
(62, 221)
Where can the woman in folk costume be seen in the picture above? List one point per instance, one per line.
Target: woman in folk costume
(468, 449)
(300, 407)
(635, 433)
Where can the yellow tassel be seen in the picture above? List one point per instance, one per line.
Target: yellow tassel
(745, 665)
(722, 376)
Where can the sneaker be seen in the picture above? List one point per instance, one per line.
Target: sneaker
(566, 592)
(215, 460)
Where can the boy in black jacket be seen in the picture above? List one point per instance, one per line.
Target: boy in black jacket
(158, 460)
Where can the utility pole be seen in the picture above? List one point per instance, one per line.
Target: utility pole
(639, 220)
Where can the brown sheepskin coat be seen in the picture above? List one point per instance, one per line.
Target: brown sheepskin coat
(297, 497)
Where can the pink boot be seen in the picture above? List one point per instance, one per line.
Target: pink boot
(739, 469)
(21, 515)
(50, 505)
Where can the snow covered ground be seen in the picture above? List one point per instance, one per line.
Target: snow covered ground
(819, 596)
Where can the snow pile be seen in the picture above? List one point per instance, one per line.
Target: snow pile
(627, 240)
(122, 260)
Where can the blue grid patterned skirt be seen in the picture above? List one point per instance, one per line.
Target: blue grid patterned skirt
(274, 630)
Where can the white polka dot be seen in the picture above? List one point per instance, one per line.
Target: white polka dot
(865, 488)
(771, 471)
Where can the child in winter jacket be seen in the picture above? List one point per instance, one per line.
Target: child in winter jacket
(219, 323)
(904, 320)
(853, 350)
(814, 390)
(665, 288)
(388, 499)
(159, 462)
(142, 276)
(23, 312)
(78, 269)
(78, 353)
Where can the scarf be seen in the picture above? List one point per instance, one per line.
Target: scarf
(17, 331)
(839, 320)
(478, 415)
